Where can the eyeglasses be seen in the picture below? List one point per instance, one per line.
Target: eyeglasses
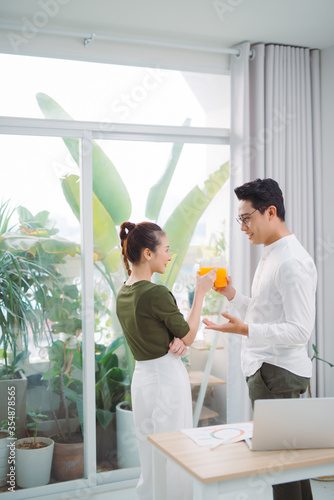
(244, 219)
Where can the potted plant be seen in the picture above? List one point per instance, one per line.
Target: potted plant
(16, 312)
(17, 316)
(33, 457)
(28, 259)
(111, 383)
(68, 459)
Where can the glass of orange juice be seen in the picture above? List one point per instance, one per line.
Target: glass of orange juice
(220, 264)
(216, 262)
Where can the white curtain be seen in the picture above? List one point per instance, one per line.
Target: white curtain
(275, 132)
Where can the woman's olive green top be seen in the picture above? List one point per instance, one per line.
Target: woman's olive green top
(150, 319)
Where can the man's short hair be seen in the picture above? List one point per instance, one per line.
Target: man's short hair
(263, 193)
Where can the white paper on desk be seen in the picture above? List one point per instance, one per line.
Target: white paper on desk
(214, 434)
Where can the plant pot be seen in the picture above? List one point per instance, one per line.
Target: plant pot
(49, 427)
(68, 458)
(20, 387)
(4, 457)
(127, 447)
(33, 466)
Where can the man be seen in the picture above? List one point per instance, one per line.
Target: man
(278, 318)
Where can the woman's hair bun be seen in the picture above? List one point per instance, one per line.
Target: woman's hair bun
(125, 228)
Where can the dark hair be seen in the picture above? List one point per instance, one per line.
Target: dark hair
(135, 238)
(263, 193)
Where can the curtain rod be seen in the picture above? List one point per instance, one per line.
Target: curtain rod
(89, 38)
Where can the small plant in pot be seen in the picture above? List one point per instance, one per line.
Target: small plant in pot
(68, 460)
(33, 456)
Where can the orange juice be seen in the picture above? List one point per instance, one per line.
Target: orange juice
(204, 270)
(221, 275)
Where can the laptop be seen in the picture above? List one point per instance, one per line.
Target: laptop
(289, 424)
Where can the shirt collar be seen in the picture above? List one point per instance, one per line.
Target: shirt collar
(266, 250)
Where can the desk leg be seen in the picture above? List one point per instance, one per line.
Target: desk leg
(205, 491)
(265, 492)
(159, 462)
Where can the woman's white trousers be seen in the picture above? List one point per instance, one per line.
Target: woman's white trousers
(161, 402)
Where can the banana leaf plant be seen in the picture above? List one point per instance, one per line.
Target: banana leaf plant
(112, 205)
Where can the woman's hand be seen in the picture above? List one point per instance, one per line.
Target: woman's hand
(206, 282)
(177, 347)
(203, 285)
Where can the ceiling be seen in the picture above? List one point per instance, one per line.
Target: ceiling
(222, 23)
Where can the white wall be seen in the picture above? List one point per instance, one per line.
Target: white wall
(327, 86)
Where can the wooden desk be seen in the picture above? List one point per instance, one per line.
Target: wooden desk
(233, 468)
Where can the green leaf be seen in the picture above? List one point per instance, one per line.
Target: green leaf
(54, 371)
(17, 242)
(104, 417)
(31, 243)
(77, 359)
(71, 394)
(71, 291)
(101, 350)
(109, 360)
(115, 344)
(105, 234)
(6, 214)
(112, 261)
(108, 185)
(116, 374)
(181, 224)
(39, 221)
(158, 192)
(71, 190)
(69, 325)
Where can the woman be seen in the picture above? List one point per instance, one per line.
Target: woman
(153, 327)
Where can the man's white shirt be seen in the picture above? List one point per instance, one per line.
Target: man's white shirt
(280, 313)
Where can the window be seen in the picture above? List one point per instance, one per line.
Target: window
(46, 165)
(110, 93)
